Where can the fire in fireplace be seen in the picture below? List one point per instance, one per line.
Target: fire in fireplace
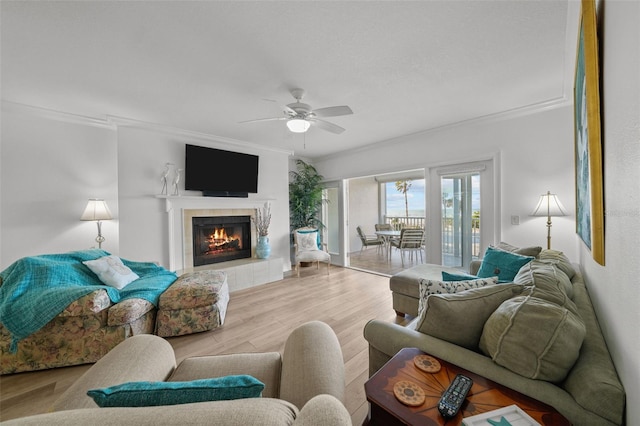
(220, 239)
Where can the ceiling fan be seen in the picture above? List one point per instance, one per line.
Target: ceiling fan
(301, 116)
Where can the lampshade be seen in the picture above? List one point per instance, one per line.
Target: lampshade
(549, 205)
(96, 210)
(298, 125)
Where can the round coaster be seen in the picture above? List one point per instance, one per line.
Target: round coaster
(427, 363)
(409, 393)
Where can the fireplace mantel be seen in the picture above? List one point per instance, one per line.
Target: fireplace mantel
(175, 207)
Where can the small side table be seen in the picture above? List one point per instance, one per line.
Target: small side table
(484, 396)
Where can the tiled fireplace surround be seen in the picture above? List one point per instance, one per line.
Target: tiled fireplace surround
(241, 273)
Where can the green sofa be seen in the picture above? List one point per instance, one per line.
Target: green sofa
(303, 386)
(590, 393)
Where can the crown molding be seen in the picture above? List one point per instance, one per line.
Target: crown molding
(55, 115)
(113, 123)
(499, 116)
(175, 131)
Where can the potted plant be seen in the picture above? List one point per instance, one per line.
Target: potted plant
(305, 197)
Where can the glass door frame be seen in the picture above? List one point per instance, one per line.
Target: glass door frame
(337, 251)
(490, 203)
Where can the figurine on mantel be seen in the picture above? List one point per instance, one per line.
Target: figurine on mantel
(165, 178)
(176, 179)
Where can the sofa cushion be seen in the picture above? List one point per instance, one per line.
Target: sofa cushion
(560, 259)
(193, 289)
(111, 271)
(502, 263)
(532, 251)
(534, 338)
(145, 394)
(459, 317)
(428, 287)
(549, 283)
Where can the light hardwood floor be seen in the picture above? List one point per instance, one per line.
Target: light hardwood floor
(258, 320)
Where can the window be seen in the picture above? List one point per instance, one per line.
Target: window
(404, 203)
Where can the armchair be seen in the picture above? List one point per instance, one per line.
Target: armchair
(308, 248)
(304, 385)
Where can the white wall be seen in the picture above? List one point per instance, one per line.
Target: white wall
(142, 154)
(49, 168)
(536, 155)
(53, 162)
(614, 288)
(363, 199)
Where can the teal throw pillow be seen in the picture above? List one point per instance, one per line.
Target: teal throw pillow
(447, 276)
(503, 264)
(146, 394)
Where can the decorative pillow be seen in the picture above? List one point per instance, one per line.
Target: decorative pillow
(447, 276)
(534, 338)
(307, 241)
(144, 394)
(502, 263)
(532, 251)
(550, 282)
(112, 271)
(459, 318)
(428, 287)
(562, 260)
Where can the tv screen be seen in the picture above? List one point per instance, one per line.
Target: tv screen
(220, 173)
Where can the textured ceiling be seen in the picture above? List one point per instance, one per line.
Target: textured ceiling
(402, 66)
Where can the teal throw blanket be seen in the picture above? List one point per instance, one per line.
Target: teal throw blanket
(36, 289)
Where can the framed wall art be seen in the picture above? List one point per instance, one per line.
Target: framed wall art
(588, 142)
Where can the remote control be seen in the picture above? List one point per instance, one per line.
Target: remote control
(454, 396)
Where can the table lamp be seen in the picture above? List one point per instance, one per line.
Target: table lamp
(97, 210)
(549, 205)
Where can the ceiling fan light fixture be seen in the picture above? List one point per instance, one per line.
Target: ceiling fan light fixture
(298, 125)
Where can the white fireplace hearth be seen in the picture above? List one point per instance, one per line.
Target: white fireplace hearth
(242, 273)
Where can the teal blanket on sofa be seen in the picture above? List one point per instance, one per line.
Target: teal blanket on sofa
(36, 289)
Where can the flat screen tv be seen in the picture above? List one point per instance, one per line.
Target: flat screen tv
(219, 173)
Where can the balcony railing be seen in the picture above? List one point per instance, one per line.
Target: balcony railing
(448, 235)
(400, 222)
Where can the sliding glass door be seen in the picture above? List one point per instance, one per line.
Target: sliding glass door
(463, 201)
(460, 198)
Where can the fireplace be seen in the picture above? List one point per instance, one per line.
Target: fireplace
(220, 239)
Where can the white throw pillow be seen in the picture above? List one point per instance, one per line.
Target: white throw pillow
(112, 271)
(307, 241)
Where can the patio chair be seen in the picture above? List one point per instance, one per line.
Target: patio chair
(369, 240)
(412, 241)
(383, 227)
(309, 249)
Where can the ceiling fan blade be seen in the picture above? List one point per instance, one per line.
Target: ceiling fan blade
(325, 125)
(264, 119)
(288, 110)
(333, 111)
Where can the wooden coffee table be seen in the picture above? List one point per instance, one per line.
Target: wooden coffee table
(484, 396)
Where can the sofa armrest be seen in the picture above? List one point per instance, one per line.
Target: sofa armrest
(89, 304)
(474, 267)
(323, 410)
(128, 311)
(144, 357)
(312, 364)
